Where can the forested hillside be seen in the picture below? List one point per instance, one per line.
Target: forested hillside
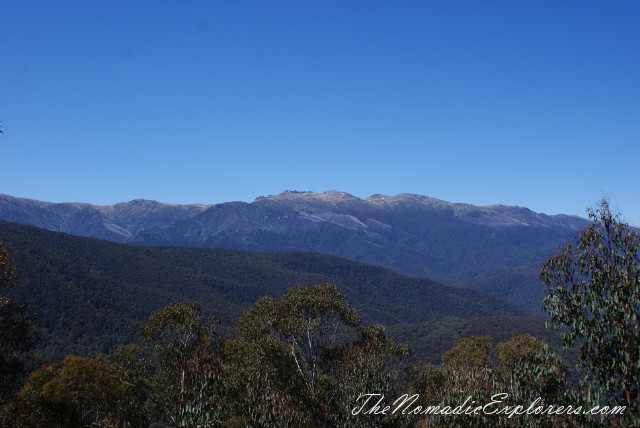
(430, 339)
(496, 249)
(91, 295)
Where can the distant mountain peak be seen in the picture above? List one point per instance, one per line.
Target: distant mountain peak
(405, 198)
(294, 195)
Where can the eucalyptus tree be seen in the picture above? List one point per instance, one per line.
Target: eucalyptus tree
(312, 358)
(185, 372)
(593, 291)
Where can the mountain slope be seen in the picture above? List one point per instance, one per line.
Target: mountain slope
(91, 295)
(497, 249)
(111, 222)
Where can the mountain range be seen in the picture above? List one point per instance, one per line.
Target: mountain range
(496, 249)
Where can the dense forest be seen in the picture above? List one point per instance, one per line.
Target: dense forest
(92, 295)
(305, 355)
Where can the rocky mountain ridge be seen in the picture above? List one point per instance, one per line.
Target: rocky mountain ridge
(128, 218)
(498, 249)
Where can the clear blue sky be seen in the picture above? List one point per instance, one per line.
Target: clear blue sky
(530, 103)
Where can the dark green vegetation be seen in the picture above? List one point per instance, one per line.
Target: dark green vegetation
(513, 375)
(496, 249)
(300, 360)
(593, 288)
(92, 295)
(431, 339)
(16, 331)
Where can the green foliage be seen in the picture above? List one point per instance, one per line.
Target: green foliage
(469, 352)
(526, 369)
(8, 272)
(262, 389)
(530, 365)
(77, 392)
(593, 289)
(430, 339)
(16, 331)
(184, 380)
(308, 326)
(373, 364)
(16, 338)
(311, 322)
(306, 349)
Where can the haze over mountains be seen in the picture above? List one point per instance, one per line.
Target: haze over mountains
(496, 249)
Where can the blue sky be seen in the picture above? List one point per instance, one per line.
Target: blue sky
(528, 103)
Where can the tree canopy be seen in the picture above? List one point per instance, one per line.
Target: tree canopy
(593, 290)
(16, 331)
